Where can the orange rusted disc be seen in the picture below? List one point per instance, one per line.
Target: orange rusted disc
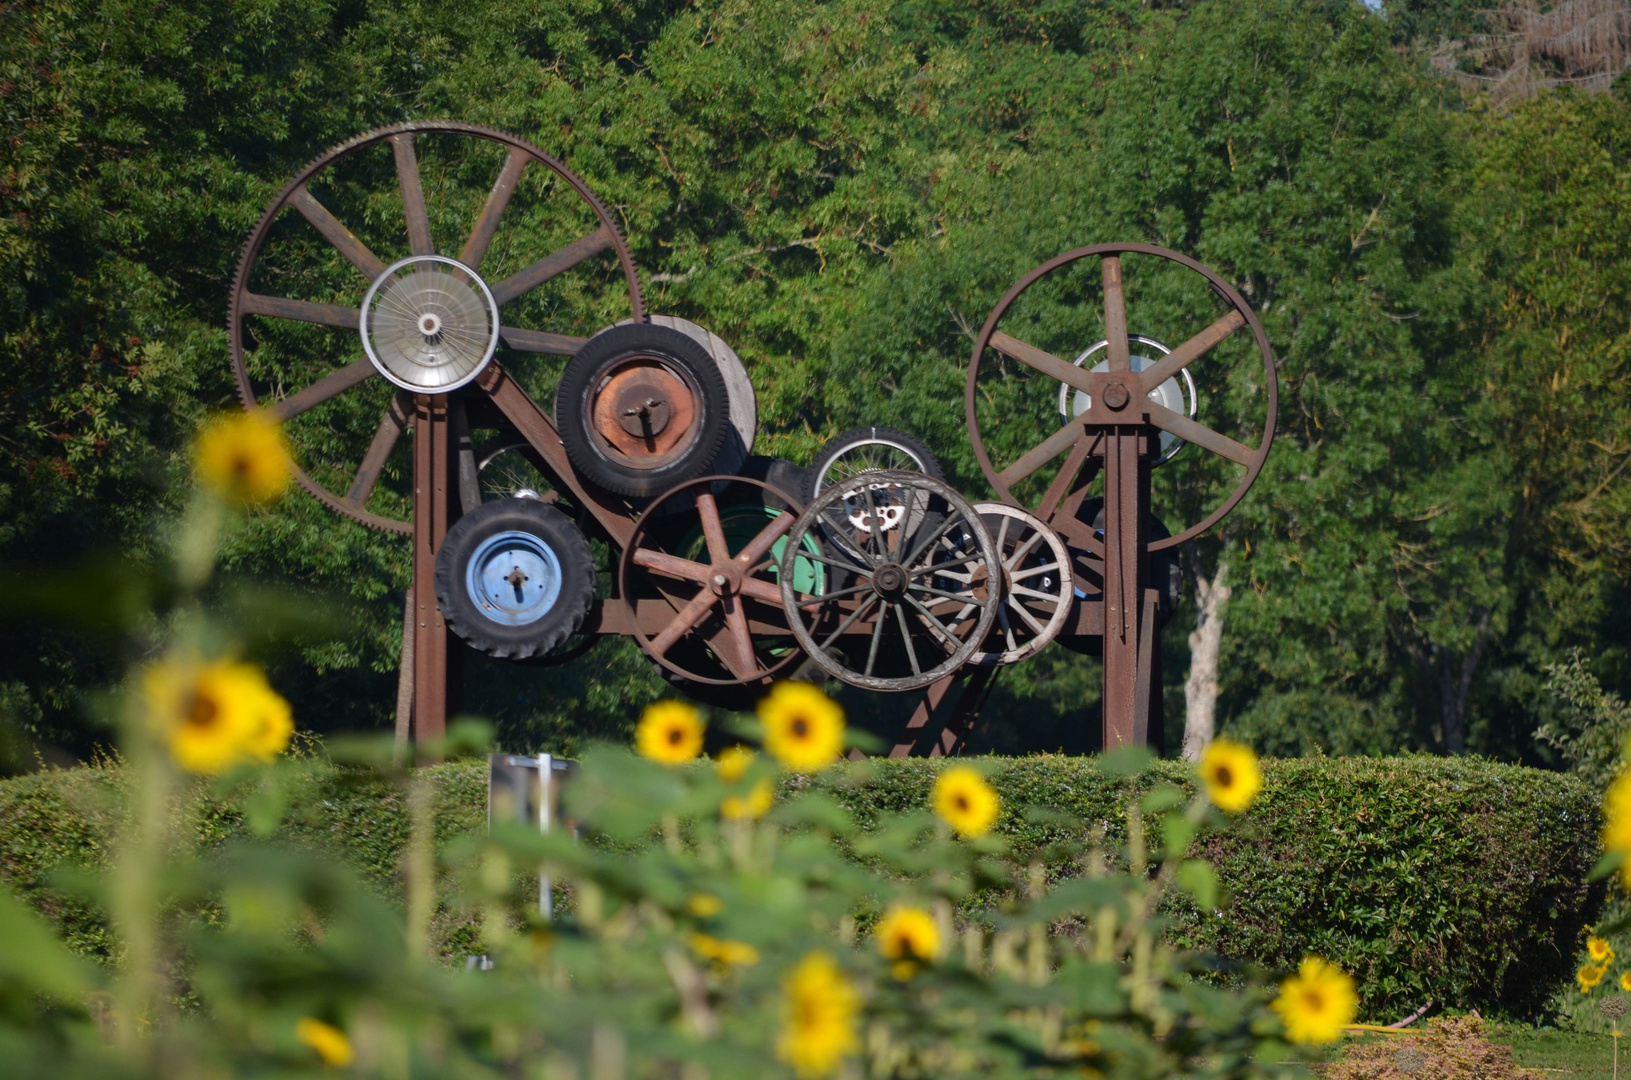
(644, 412)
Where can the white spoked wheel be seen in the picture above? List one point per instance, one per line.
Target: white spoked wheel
(1038, 592)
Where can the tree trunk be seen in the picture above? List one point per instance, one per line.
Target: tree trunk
(1205, 647)
(1455, 686)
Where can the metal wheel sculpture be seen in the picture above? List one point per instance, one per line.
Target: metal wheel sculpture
(924, 598)
(704, 590)
(428, 322)
(1117, 397)
(1038, 590)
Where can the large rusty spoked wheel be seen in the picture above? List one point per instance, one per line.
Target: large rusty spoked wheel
(393, 241)
(1130, 393)
(702, 576)
(906, 605)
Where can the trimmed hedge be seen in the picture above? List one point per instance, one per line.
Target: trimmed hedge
(1460, 881)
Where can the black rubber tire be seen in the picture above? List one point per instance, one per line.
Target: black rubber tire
(570, 548)
(790, 478)
(928, 464)
(583, 375)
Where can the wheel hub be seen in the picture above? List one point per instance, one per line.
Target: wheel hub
(889, 581)
(643, 412)
(724, 581)
(429, 324)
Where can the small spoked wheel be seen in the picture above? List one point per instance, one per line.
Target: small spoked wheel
(515, 578)
(702, 580)
(869, 450)
(904, 606)
(1038, 592)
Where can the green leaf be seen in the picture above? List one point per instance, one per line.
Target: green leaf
(1197, 878)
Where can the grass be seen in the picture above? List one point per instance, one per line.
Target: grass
(1564, 1054)
(1560, 1055)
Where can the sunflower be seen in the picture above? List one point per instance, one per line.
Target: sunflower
(752, 806)
(1317, 1003)
(725, 952)
(213, 716)
(1600, 951)
(1589, 976)
(804, 728)
(1625, 980)
(1617, 824)
(818, 1016)
(329, 1041)
(965, 801)
(1230, 772)
(704, 905)
(908, 936)
(243, 458)
(669, 732)
(733, 762)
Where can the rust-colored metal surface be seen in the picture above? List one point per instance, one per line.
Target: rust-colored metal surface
(646, 413)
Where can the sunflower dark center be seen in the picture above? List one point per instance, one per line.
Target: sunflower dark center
(1225, 776)
(1314, 1000)
(675, 735)
(800, 728)
(241, 465)
(962, 802)
(203, 711)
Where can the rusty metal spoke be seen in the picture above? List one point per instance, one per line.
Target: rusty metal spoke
(1045, 362)
(1201, 435)
(355, 251)
(672, 566)
(539, 341)
(323, 389)
(684, 620)
(1115, 317)
(1190, 351)
(766, 538)
(712, 528)
(1060, 486)
(413, 195)
(281, 307)
(552, 265)
(475, 246)
(390, 429)
(736, 623)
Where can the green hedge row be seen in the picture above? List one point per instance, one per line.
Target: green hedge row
(1460, 881)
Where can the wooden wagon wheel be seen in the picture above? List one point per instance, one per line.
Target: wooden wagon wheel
(1119, 396)
(429, 322)
(1038, 588)
(702, 580)
(906, 605)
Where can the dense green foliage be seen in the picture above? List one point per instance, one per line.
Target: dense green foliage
(1460, 882)
(842, 190)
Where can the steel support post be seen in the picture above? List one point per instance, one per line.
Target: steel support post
(435, 662)
(1126, 494)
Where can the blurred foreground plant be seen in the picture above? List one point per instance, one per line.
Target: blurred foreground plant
(705, 929)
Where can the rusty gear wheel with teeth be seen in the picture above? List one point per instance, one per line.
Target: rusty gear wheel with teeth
(427, 307)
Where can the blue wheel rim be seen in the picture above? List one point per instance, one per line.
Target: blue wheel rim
(513, 578)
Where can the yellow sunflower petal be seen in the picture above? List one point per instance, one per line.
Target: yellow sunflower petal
(963, 800)
(819, 1006)
(669, 732)
(243, 458)
(1231, 775)
(804, 728)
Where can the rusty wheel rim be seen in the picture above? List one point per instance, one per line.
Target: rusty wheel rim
(520, 155)
(1076, 438)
